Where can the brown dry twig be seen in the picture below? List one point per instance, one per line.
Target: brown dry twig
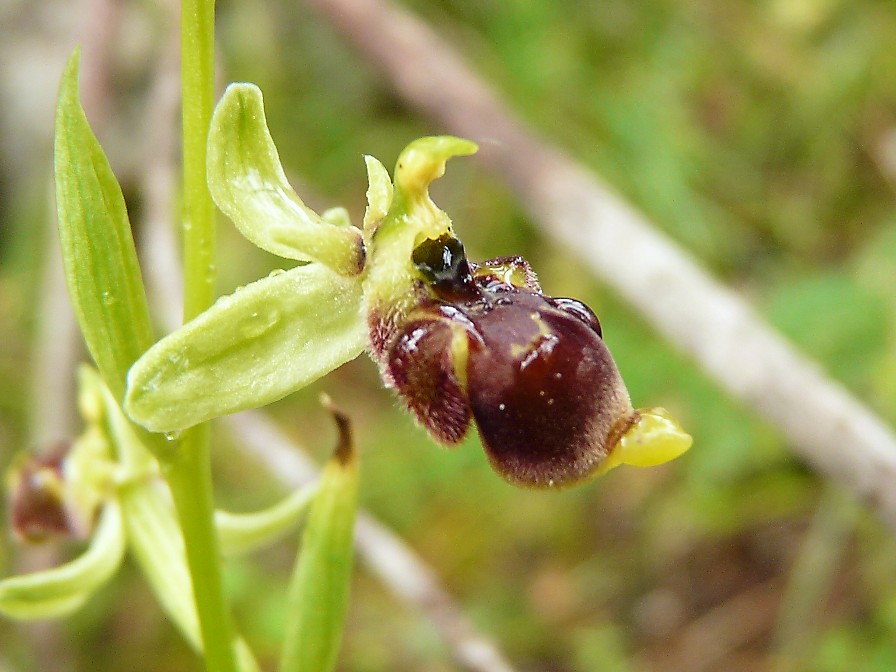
(828, 427)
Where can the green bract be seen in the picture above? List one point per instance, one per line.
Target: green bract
(318, 589)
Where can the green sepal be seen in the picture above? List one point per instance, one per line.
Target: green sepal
(150, 524)
(248, 184)
(319, 587)
(98, 253)
(249, 349)
(59, 591)
(240, 533)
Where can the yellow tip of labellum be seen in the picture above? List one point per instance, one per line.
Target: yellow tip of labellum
(655, 438)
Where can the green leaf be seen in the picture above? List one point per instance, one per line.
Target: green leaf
(101, 267)
(247, 182)
(251, 348)
(245, 532)
(318, 590)
(61, 590)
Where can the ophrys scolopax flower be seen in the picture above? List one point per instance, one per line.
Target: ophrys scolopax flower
(460, 342)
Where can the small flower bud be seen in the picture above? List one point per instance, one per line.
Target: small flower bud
(37, 496)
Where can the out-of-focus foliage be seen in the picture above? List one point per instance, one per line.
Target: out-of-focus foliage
(760, 135)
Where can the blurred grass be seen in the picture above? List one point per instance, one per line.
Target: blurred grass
(760, 135)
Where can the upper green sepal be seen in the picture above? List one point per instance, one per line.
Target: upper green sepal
(248, 184)
(249, 349)
(98, 253)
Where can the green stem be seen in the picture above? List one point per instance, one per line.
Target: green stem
(189, 469)
(198, 91)
(189, 477)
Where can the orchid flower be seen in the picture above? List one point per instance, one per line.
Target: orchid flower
(461, 343)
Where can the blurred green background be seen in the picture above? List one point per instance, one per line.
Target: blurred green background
(761, 135)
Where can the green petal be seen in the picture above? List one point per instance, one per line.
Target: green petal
(318, 590)
(379, 194)
(247, 182)
(251, 348)
(59, 591)
(101, 267)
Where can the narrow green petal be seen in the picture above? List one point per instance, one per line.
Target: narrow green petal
(248, 184)
(59, 591)
(251, 348)
(318, 590)
(101, 267)
(379, 194)
(245, 532)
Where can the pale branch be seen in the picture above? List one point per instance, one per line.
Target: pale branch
(828, 427)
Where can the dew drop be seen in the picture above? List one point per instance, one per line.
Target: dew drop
(260, 322)
(172, 436)
(108, 298)
(501, 407)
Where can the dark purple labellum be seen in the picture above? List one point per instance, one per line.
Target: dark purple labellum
(533, 371)
(544, 391)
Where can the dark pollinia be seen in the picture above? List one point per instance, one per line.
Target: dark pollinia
(531, 370)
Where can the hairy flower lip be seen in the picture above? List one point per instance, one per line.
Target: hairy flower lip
(532, 371)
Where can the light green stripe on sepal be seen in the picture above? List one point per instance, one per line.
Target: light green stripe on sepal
(59, 591)
(101, 267)
(319, 587)
(247, 182)
(251, 348)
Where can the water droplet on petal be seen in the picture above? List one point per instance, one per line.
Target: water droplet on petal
(260, 322)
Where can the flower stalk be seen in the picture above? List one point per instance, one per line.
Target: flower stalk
(188, 470)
